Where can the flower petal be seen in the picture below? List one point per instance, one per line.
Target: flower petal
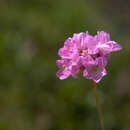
(102, 36)
(98, 77)
(63, 74)
(114, 46)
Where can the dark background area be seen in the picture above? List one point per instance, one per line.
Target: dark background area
(31, 96)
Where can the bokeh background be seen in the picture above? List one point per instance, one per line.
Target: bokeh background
(31, 96)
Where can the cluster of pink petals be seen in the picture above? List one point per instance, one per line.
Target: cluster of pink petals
(86, 53)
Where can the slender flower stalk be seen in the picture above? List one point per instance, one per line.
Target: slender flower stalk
(98, 106)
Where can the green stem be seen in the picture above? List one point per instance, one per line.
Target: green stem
(98, 105)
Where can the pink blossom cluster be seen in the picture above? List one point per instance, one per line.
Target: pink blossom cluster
(86, 53)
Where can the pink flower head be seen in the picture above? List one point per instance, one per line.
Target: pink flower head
(86, 53)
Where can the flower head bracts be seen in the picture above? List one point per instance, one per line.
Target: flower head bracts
(86, 53)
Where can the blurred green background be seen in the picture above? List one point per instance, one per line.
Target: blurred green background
(31, 96)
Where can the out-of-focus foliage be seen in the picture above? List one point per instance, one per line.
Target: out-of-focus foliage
(31, 97)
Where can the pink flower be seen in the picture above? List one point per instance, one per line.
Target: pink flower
(86, 53)
(94, 69)
(105, 45)
(65, 69)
